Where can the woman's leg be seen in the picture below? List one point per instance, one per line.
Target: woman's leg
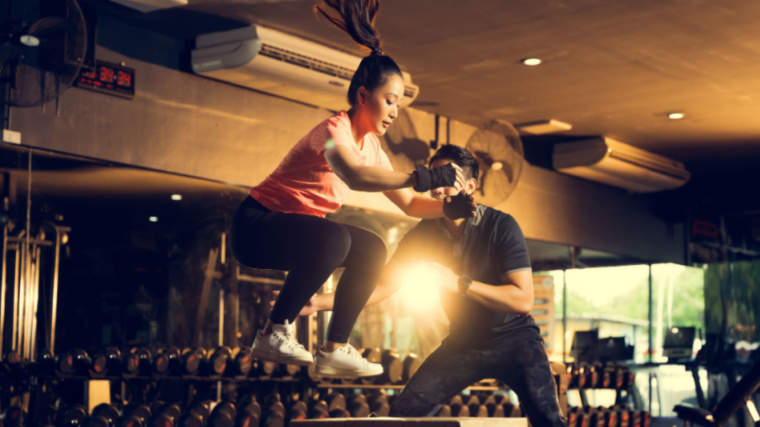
(308, 247)
(363, 265)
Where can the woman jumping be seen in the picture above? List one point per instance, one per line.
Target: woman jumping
(282, 225)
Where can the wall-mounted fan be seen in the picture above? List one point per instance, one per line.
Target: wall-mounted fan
(42, 46)
(499, 151)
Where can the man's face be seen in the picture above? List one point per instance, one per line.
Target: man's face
(441, 193)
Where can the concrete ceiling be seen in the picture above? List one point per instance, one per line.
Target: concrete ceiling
(613, 68)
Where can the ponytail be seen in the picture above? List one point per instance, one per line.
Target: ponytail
(357, 19)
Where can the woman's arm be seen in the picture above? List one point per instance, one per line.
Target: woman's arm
(370, 178)
(415, 205)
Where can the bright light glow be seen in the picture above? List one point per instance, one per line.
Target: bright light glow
(418, 292)
(531, 62)
(497, 166)
(153, 219)
(176, 197)
(676, 116)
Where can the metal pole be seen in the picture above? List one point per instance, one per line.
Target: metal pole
(3, 286)
(54, 302)
(651, 338)
(16, 293)
(35, 301)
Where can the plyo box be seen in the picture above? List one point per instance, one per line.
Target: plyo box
(412, 422)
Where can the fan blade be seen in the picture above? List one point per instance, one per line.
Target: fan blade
(50, 25)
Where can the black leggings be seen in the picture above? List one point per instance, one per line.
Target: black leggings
(522, 365)
(310, 248)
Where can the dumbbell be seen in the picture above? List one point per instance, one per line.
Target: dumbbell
(74, 362)
(198, 414)
(287, 371)
(144, 360)
(14, 416)
(264, 369)
(130, 364)
(594, 376)
(165, 361)
(459, 410)
(298, 410)
(393, 368)
(73, 416)
(223, 415)
(249, 403)
(495, 410)
(248, 415)
(107, 412)
(240, 364)
(215, 362)
(358, 406)
(516, 411)
(10, 365)
(191, 359)
(624, 416)
(336, 400)
(274, 414)
(578, 376)
(318, 409)
(378, 403)
(445, 411)
(412, 362)
(136, 415)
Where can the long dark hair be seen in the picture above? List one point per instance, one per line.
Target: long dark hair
(357, 19)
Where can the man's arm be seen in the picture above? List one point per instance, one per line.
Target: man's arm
(515, 296)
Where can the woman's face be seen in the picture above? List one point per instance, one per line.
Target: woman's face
(382, 104)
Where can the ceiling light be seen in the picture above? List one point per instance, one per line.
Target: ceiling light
(676, 116)
(531, 62)
(544, 126)
(176, 197)
(153, 219)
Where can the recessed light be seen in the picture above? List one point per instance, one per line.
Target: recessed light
(153, 219)
(676, 116)
(176, 197)
(531, 62)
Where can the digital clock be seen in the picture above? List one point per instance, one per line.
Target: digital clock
(108, 78)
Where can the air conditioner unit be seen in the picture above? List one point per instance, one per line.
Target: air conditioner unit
(617, 164)
(281, 64)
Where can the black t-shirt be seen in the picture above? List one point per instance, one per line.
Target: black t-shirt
(491, 245)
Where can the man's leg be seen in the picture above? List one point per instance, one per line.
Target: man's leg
(524, 367)
(443, 374)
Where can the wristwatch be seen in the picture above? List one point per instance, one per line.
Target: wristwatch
(464, 284)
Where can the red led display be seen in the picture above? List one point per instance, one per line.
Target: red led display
(108, 78)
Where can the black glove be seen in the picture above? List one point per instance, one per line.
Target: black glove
(444, 176)
(459, 206)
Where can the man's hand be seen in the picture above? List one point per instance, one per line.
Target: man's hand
(460, 206)
(309, 309)
(442, 276)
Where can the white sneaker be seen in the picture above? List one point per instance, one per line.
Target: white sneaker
(345, 362)
(280, 346)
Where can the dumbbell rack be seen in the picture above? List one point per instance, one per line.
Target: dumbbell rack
(586, 377)
(140, 379)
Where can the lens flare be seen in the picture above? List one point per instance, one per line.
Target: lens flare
(418, 292)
